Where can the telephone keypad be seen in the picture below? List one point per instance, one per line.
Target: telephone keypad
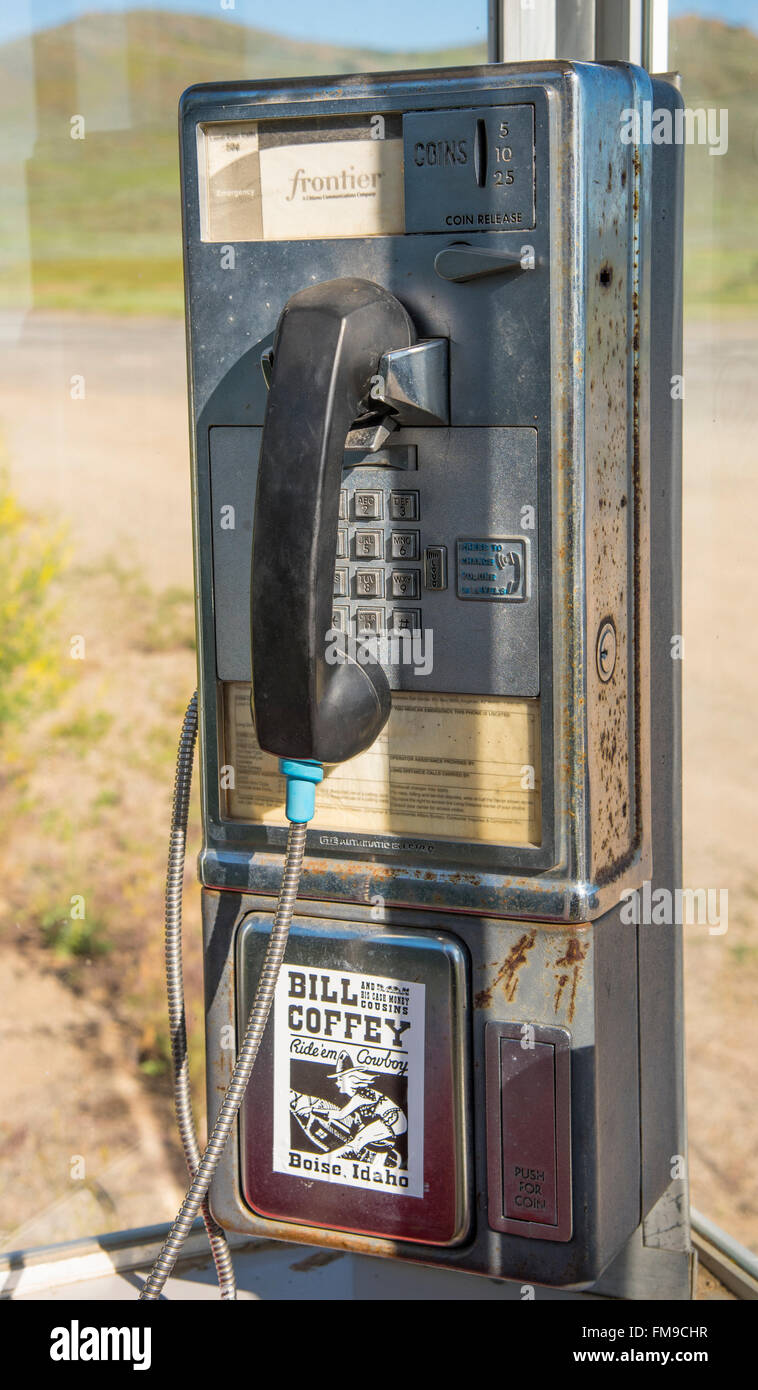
(376, 543)
(462, 485)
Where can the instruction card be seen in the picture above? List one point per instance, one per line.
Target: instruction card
(464, 767)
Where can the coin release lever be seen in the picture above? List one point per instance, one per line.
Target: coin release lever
(461, 263)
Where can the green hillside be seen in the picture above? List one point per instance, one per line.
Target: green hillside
(100, 216)
(719, 66)
(104, 211)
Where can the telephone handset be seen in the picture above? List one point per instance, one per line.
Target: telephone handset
(329, 341)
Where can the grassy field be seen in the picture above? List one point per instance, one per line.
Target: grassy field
(94, 225)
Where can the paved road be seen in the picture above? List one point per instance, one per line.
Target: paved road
(115, 463)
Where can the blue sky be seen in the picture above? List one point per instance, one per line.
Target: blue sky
(377, 24)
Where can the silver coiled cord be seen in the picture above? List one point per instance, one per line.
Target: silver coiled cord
(242, 1068)
(222, 1257)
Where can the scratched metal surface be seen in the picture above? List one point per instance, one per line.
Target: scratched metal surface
(542, 927)
(583, 979)
(563, 348)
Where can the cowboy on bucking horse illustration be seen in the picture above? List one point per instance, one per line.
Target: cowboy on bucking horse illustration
(365, 1127)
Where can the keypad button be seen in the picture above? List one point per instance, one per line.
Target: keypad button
(341, 589)
(341, 618)
(435, 567)
(369, 620)
(405, 583)
(369, 545)
(342, 542)
(405, 619)
(404, 506)
(369, 583)
(368, 505)
(404, 545)
(343, 505)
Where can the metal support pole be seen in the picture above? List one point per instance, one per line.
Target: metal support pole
(632, 31)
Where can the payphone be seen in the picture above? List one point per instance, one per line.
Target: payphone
(432, 322)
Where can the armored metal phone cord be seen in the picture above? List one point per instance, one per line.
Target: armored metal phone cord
(202, 1169)
(175, 989)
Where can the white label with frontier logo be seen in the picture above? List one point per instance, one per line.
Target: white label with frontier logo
(336, 189)
(252, 190)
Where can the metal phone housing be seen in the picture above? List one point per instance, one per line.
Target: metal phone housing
(538, 500)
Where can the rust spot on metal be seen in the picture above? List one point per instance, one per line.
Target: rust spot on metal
(572, 959)
(508, 971)
(561, 981)
(575, 952)
(317, 1260)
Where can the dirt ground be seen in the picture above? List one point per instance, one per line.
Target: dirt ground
(86, 1137)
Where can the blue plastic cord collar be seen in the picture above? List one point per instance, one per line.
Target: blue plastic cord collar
(302, 777)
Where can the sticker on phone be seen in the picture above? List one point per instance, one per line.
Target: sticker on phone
(349, 1079)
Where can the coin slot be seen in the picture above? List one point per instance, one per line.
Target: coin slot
(480, 153)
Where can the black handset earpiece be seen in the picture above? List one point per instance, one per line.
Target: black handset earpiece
(328, 344)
